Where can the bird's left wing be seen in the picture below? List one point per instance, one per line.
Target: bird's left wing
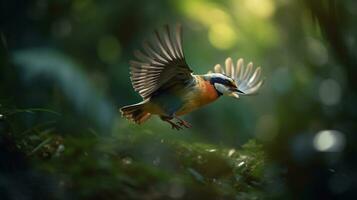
(159, 64)
(247, 79)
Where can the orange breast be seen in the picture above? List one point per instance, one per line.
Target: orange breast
(201, 95)
(208, 93)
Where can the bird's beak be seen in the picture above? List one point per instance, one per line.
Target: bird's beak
(239, 91)
(236, 90)
(234, 94)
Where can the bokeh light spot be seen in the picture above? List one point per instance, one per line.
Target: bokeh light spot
(222, 36)
(317, 52)
(204, 12)
(260, 8)
(330, 92)
(329, 141)
(108, 49)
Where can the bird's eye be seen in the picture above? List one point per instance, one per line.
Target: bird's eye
(230, 83)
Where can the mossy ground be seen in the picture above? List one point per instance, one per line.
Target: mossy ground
(144, 165)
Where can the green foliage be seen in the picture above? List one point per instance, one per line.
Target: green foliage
(146, 165)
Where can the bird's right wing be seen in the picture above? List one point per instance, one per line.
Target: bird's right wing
(247, 79)
(160, 64)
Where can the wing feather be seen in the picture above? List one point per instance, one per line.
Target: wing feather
(162, 46)
(160, 64)
(248, 71)
(179, 40)
(218, 69)
(247, 79)
(255, 77)
(169, 43)
(229, 67)
(145, 58)
(153, 54)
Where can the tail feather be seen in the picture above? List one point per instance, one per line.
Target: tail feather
(135, 113)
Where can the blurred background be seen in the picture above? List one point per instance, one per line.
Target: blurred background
(65, 73)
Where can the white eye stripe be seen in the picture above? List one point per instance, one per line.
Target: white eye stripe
(221, 88)
(222, 79)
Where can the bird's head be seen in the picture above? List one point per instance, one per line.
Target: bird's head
(224, 85)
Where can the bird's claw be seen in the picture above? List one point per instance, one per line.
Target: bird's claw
(176, 127)
(185, 124)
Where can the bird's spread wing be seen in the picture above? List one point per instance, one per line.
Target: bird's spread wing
(160, 63)
(247, 79)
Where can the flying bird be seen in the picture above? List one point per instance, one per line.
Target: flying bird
(170, 89)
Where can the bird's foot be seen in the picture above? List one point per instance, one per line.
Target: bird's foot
(175, 126)
(184, 123)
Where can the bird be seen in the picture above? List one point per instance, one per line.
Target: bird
(170, 89)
